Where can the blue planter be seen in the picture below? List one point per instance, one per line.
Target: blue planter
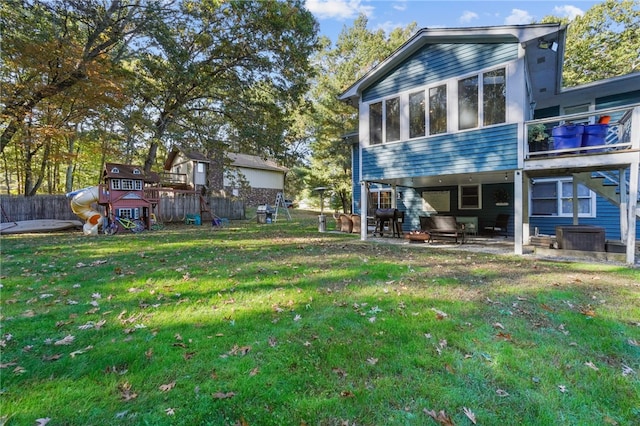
(594, 135)
(567, 136)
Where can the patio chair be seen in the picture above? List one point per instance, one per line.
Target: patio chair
(500, 226)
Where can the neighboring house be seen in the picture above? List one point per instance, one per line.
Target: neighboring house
(252, 178)
(443, 125)
(185, 170)
(265, 178)
(122, 192)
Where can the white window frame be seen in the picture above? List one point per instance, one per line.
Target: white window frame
(127, 184)
(378, 192)
(559, 197)
(116, 184)
(137, 185)
(476, 207)
(125, 213)
(451, 85)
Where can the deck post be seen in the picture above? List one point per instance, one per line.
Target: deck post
(518, 204)
(364, 208)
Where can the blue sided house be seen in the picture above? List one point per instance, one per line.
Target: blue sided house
(475, 123)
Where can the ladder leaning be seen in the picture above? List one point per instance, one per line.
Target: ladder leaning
(280, 203)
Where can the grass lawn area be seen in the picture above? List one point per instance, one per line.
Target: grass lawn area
(281, 325)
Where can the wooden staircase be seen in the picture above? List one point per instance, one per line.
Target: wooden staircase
(605, 184)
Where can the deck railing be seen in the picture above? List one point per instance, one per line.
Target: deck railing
(168, 179)
(539, 141)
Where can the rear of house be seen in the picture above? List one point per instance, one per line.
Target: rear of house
(445, 123)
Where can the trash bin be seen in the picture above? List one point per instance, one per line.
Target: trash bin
(322, 223)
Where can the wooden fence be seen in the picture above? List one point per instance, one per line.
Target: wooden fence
(170, 208)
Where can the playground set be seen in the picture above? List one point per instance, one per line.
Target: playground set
(130, 199)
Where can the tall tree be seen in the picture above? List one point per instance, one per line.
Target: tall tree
(50, 46)
(245, 62)
(603, 43)
(357, 51)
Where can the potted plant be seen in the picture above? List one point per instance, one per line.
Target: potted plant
(538, 138)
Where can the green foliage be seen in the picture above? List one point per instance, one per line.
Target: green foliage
(603, 43)
(142, 76)
(278, 324)
(357, 51)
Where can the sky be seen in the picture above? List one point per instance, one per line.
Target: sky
(334, 15)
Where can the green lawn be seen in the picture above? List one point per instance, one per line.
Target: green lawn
(281, 325)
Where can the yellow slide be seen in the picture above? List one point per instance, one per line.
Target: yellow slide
(81, 206)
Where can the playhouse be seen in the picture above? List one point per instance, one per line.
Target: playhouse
(122, 192)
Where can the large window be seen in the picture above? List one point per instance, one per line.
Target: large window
(392, 120)
(470, 197)
(481, 101)
(555, 198)
(438, 110)
(416, 115)
(494, 97)
(375, 123)
(468, 103)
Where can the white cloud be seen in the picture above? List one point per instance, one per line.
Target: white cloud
(389, 26)
(468, 16)
(568, 11)
(338, 9)
(400, 5)
(517, 17)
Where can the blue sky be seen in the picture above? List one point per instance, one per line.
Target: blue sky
(333, 15)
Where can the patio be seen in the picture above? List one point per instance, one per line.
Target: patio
(505, 246)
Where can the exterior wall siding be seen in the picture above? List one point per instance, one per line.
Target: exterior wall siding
(488, 149)
(435, 63)
(355, 179)
(608, 217)
(411, 204)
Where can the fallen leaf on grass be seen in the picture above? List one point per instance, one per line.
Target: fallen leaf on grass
(254, 372)
(223, 395)
(591, 365)
(372, 361)
(340, 372)
(125, 392)
(167, 387)
(562, 388)
(441, 417)
(626, 370)
(170, 412)
(43, 421)
(546, 307)
(502, 393)
(347, 394)
(498, 325)
(439, 314)
(273, 342)
(470, 414)
(239, 350)
(633, 342)
(188, 355)
(505, 336)
(54, 357)
(67, 340)
(588, 311)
